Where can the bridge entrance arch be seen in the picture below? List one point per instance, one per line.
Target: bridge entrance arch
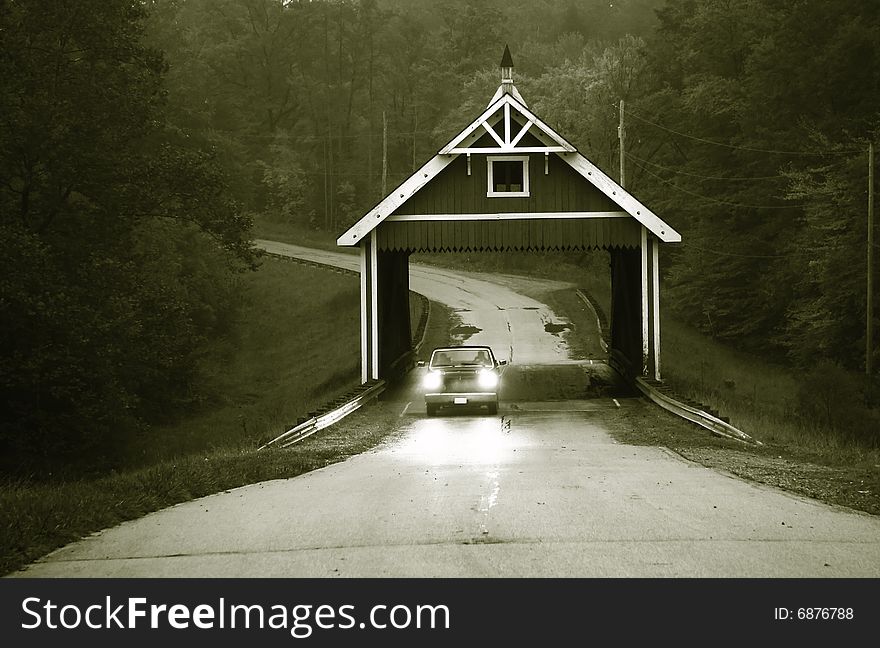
(509, 182)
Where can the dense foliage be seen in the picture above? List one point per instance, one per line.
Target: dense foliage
(296, 95)
(772, 197)
(119, 243)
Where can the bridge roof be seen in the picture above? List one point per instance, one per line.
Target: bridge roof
(508, 109)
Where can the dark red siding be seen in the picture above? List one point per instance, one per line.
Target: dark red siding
(453, 191)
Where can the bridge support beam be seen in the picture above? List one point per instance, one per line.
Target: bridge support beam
(650, 306)
(626, 322)
(395, 333)
(635, 308)
(369, 309)
(386, 339)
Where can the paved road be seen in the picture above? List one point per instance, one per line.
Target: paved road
(539, 490)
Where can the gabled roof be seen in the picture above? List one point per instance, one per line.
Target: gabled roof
(508, 109)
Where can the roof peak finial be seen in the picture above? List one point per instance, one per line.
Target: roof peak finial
(506, 58)
(507, 87)
(506, 66)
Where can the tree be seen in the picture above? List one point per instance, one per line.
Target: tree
(286, 184)
(580, 97)
(120, 240)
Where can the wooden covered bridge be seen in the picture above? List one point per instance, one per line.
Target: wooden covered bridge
(509, 182)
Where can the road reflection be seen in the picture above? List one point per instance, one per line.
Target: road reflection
(460, 440)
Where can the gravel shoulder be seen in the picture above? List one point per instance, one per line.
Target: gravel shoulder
(852, 485)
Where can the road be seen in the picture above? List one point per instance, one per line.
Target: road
(540, 490)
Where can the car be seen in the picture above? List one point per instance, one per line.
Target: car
(462, 376)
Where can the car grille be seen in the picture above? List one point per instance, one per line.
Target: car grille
(461, 383)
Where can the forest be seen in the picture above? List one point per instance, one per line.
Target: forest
(140, 140)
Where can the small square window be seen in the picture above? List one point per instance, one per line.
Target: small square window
(508, 176)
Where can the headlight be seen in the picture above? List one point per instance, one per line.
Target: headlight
(432, 380)
(487, 378)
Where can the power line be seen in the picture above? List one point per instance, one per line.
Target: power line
(749, 256)
(716, 200)
(321, 138)
(706, 177)
(740, 148)
(338, 173)
(734, 254)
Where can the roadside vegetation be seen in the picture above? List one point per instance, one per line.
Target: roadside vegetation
(821, 408)
(291, 351)
(285, 357)
(297, 328)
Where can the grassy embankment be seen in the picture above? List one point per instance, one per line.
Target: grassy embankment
(298, 343)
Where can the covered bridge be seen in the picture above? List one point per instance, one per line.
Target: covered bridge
(509, 182)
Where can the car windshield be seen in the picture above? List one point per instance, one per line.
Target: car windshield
(461, 357)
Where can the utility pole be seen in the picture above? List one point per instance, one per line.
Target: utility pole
(384, 155)
(621, 135)
(326, 191)
(869, 333)
(415, 130)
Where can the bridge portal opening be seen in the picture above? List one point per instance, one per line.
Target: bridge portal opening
(607, 251)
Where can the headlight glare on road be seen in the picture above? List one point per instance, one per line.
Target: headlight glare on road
(487, 378)
(432, 380)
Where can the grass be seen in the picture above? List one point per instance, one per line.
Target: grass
(298, 329)
(760, 397)
(706, 368)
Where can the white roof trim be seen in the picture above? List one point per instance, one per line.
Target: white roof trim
(395, 199)
(461, 142)
(407, 218)
(622, 197)
(508, 150)
(474, 126)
